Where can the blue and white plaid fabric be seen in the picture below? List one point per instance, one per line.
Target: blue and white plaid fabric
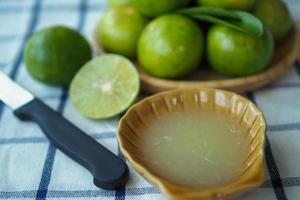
(31, 168)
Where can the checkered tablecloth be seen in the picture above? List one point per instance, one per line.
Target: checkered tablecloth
(31, 168)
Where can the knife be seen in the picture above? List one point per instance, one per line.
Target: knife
(108, 170)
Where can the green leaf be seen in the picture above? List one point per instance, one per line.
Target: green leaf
(211, 11)
(239, 20)
(249, 23)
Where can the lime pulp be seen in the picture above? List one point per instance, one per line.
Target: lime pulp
(105, 86)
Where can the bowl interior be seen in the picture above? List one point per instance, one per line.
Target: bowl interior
(133, 131)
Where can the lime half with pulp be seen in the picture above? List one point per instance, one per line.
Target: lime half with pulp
(105, 86)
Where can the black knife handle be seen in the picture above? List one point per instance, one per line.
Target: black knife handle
(108, 170)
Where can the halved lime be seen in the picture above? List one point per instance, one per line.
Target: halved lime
(105, 86)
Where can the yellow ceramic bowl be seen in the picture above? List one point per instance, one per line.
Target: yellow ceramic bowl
(222, 102)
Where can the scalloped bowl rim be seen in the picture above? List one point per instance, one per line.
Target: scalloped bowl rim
(171, 189)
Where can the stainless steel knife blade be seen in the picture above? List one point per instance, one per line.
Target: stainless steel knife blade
(12, 94)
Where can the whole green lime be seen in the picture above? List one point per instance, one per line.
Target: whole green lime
(229, 4)
(152, 8)
(113, 3)
(54, 55)
(119, 29)
(275, 15)
(234, 53)
(171, 46)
